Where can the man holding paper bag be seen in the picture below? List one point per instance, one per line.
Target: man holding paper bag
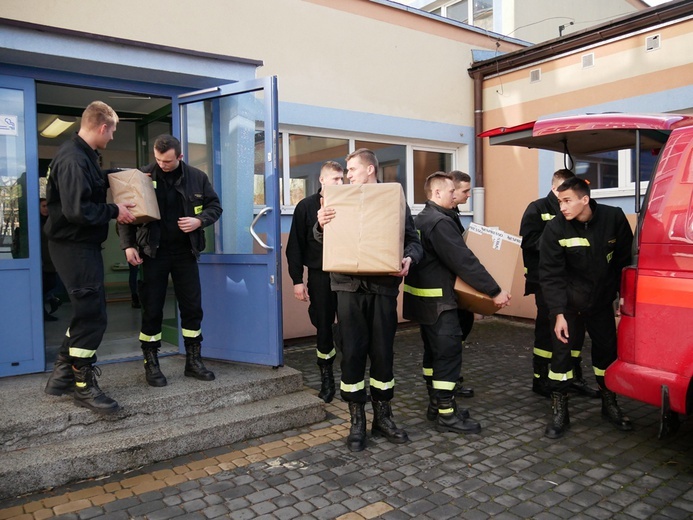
(77, 225)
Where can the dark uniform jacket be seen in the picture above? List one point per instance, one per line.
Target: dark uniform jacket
(534, 220)
(429, 287)
(387, 285)
(302, 248)
(198, 200)
(76, 195)
(581, 262)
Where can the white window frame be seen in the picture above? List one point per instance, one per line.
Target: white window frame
(459, 157)
(626, 188)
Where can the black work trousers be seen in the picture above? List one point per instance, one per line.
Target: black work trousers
(80, 267)
(466, 322)
(322, 311)
(601, 326)
(442, 358)
(184, 272)
(543, 331)
(368, 323)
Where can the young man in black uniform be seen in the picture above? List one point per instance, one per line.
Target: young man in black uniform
(77, 225)
(534, 220)
(580, 264)
(172, 246)
(463, 188)
(367, 313)
(303, 250)
(429, 299)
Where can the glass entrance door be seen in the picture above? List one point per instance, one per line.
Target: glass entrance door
(230, 132)
(21, 302)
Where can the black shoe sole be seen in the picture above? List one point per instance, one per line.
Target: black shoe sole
(326, 398)
(199, 378)
(557, 435)
(57, 392)
(101, 411)
(448, 429)
(394, 440)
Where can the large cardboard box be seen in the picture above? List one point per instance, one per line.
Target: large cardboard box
(135, 187)
(367, 234)
(498, 253)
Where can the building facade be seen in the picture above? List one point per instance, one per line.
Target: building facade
(349, 73)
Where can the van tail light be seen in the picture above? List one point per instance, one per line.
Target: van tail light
(629, 281)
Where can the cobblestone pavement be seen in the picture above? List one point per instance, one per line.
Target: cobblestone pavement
(508, 471)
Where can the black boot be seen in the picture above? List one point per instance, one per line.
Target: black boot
(560, 421)
(194, 367)
(384, 426)
(54, 303)
(432, 410)
(326, 383)
(612, 412)
(152, 370)
(62, 379)
(451, 419)
(579, 385)
(540, 383)
(356, 441)
(463, 391)
(87, 391)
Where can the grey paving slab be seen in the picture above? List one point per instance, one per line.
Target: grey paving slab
(509, 470)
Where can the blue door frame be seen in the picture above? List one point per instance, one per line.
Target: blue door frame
(21, 295)
(231, 133)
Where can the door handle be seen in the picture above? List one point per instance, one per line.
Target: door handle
(262, 212)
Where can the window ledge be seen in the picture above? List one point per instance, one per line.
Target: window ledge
(608, 193)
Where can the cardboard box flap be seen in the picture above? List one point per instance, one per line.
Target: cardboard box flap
(498, 253)
(367, 234)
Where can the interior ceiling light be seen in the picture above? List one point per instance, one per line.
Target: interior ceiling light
(57, 127)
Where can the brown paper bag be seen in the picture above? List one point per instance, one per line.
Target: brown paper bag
(135, 187)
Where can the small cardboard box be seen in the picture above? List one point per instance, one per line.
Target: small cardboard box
(135, 187)
(366, 235)
(498, 253)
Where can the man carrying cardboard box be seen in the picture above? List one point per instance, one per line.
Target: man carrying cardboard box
(429, 299)
(367, 314)
(171, 246)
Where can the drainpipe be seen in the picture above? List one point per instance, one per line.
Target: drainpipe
(478, 192)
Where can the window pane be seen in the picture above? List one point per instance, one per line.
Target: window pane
(600, 170)
(14, 237)
(392, 159)
(426, 163)
(280, 169)
(459, 11)
(483, 14)
(648, 160)
(307, 155)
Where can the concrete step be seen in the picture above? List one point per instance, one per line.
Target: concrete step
(47, 441)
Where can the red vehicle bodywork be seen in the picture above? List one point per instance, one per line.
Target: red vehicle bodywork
(655, 332)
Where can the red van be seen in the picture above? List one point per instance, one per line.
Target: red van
(655, 331)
